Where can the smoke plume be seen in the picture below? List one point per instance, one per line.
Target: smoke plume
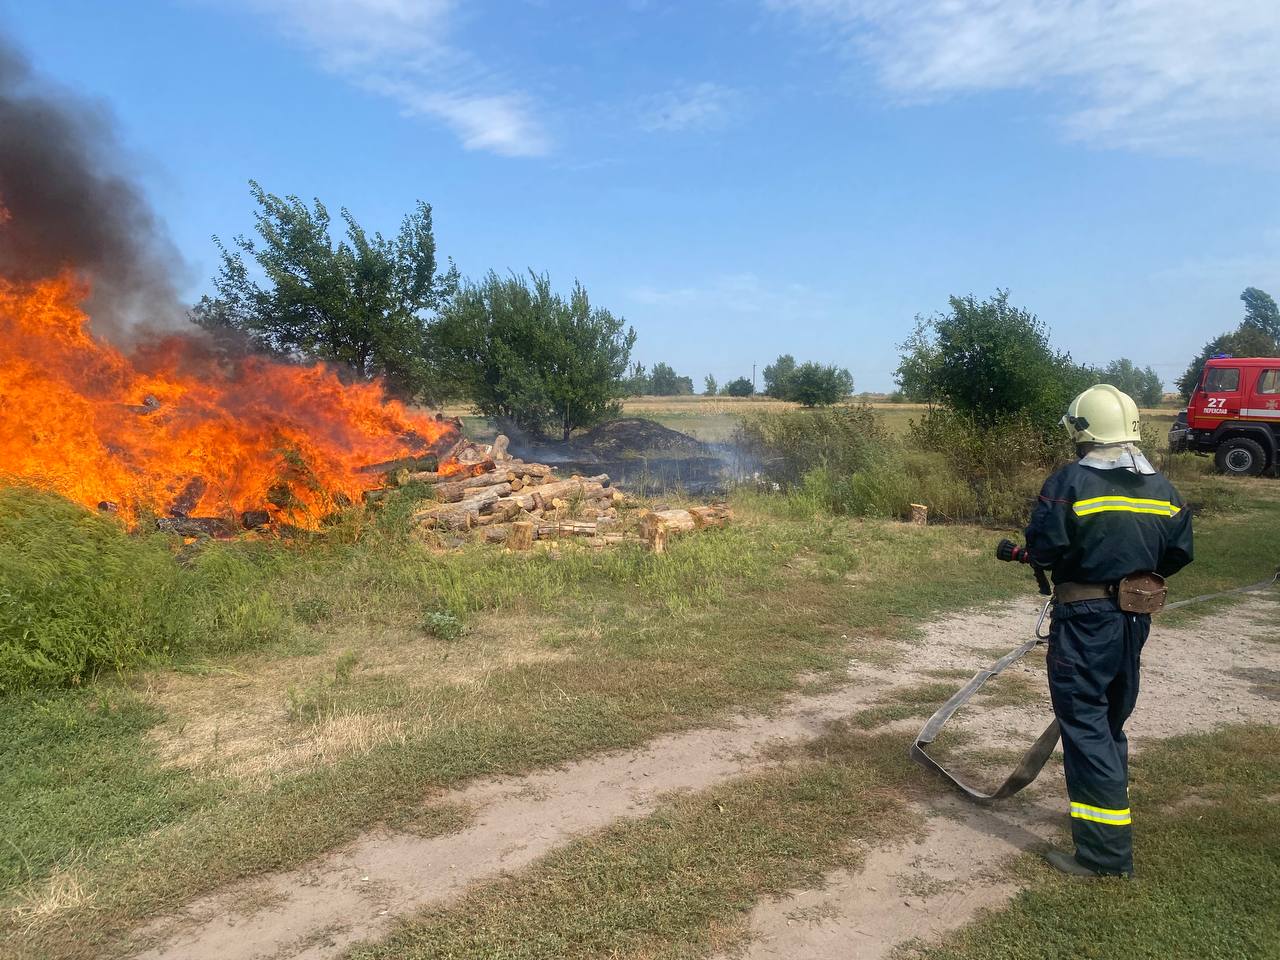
(64, 203)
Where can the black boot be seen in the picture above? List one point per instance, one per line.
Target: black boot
(1068, 864)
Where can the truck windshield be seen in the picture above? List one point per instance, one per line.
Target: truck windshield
(1222, 380)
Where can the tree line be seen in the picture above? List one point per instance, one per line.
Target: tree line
(387, 307)
(990, 360)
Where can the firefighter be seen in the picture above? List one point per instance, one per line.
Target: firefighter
(1107, 518)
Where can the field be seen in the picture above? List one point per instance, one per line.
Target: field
(359, 742)
(713, 419)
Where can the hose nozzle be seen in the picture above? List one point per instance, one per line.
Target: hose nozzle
(1010, 552)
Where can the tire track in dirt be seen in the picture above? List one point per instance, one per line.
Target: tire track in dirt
(357, 892)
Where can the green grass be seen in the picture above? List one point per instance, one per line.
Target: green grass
(724, 621)
(1208, 859)
(76, 772)
(643, 645)
(78, 595)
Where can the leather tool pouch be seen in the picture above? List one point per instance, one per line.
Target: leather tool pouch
(1142, 593)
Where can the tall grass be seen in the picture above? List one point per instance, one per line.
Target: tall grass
(843, 461)
(79, 595)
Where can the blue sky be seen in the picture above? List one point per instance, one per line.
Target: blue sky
(739, 178)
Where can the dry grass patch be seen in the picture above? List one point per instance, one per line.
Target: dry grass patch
(263, 717)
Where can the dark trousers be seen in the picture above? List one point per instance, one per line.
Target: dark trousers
(1094, 653)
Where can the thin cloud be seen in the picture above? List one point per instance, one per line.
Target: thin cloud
(399, 49)
(703, 106)
(1184, 76)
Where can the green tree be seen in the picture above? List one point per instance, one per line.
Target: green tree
(816, 384)
(1261, 312)
(1144, 384)
(531, 357)
(916, 375)
(991, 360)
(667, 383)
(637, 382)
(1245, 341)
(777, 377)
(1257, 336)
(366, 302)
(739, 388)
(709, 385)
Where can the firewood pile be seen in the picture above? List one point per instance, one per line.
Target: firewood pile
(480, 492)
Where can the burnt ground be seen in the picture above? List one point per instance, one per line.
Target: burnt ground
(640, 456)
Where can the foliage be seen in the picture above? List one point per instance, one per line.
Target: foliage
(1257, 336)
(777, 377)
(811, 384)
(1143, 385)
(528, 356)
(917, 373)
(637, 382)
(741, 387)
(443, 625)
(1261, 312)
(665, 382)
(815, 384)
(365, 303)
(78, 595)
(709, 385)
(843, 461)
(784, 445)
(990, 360)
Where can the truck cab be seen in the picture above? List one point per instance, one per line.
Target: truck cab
(1234, 413)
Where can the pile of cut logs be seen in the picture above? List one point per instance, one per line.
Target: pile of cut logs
(519, 504)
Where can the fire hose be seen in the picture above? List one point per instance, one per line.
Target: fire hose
(1033, 761)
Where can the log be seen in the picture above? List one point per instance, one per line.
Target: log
(713, 516)
(499, 449)
(189, 498)
(470, 453)
(919, 514)
(460, 515)
(657, 525)
(521, 536)
(253, 519)
(532, 469)
(195, 526)
(108, 506)
(451, 491)
(500, 533)
(427, 461)
(567, 528)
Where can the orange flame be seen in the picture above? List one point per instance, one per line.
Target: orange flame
(79, 417)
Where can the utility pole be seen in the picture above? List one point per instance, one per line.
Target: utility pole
(753, 378)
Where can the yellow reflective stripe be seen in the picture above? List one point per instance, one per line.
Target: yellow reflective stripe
(1163, 508)
(1116, 818)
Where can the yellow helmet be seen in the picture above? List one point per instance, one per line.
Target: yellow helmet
(1102, 414)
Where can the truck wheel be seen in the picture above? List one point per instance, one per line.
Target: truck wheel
(1240, 457)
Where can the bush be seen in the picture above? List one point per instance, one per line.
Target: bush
(786, 445)
(78, 595)
(842, 461)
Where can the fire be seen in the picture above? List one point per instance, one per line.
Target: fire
(172, 427)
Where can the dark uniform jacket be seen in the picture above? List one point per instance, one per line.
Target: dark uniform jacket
(1098, 526)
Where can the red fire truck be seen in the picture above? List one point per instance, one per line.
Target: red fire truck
(1234, 414)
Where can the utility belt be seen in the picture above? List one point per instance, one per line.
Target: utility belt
(1136, 593)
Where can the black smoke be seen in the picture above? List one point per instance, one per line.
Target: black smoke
(68, 204)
